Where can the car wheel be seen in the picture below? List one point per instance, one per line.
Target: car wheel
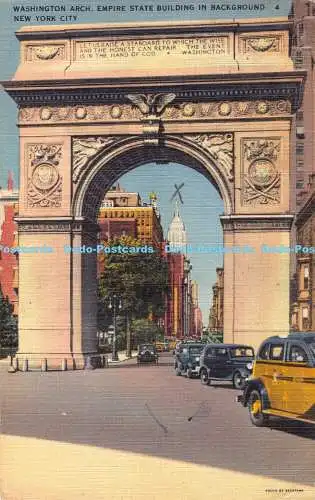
(204, 377)
(255, 410)
(238, 381)
(189, 373)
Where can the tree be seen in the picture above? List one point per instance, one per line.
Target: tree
(140, 279)
(8, 324)
(144, 330)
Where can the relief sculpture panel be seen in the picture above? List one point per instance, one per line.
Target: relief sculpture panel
(260, 173)
(44, 182)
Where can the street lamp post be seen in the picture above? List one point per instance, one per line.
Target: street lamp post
(114, 300)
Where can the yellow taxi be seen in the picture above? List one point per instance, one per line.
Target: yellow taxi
(172, 341)
(283, 380)
(161, 346)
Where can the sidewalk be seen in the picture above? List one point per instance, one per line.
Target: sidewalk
(5, 362)
(121, 356)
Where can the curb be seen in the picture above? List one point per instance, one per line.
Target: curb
(122, 360)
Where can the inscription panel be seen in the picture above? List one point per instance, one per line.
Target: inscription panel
(115, 49)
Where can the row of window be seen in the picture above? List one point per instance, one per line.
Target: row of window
(124, 215)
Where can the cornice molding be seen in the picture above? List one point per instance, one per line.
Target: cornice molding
(152, 28)
(201, 90)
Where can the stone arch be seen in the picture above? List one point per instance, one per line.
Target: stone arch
(85, 120)
(117, 157)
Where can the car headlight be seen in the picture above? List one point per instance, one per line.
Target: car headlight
(142, 352)
(197, 358)
(249, 366)
(151, 352)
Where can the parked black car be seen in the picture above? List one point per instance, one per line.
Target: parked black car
(147, 353)
(187, 359)
(227, 362)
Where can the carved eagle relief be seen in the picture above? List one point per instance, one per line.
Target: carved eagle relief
(151, 104)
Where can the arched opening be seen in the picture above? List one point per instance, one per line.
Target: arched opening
(99, 175)
(116, 159)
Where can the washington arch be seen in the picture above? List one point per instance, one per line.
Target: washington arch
(96, 101)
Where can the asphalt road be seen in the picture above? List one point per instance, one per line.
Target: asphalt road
(130, 432)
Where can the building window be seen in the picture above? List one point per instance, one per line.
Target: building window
(301, 29)
(299, 185)
(300, 148)
(107, 203)
(306, 278)
(300, 115)
(298, 59)
(305, 322)
(300, 165)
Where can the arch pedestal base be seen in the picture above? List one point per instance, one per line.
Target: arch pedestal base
(58, 361)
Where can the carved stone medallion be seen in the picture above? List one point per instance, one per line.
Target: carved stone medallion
(45, 176)
(261, 179)
(45, 113)
(44, 187)
(225, 108)
(262, 172)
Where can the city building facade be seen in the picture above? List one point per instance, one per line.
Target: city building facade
(196, 324)
(123, 214)
(303, 55)
(8, 239)
(302, 264)
(303, 309)
(216, 310)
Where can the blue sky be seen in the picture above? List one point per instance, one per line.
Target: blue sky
(202, 204)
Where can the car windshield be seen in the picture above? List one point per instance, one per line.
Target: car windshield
(146, 347)
(196, 349)
(242, 352)
(312, 347)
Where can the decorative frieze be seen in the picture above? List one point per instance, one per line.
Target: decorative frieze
(260, 175)
(157, 105)
(220, 148)
(44, 183)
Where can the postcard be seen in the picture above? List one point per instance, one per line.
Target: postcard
(157, 249)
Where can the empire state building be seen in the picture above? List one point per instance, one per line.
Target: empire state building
(176, 235)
